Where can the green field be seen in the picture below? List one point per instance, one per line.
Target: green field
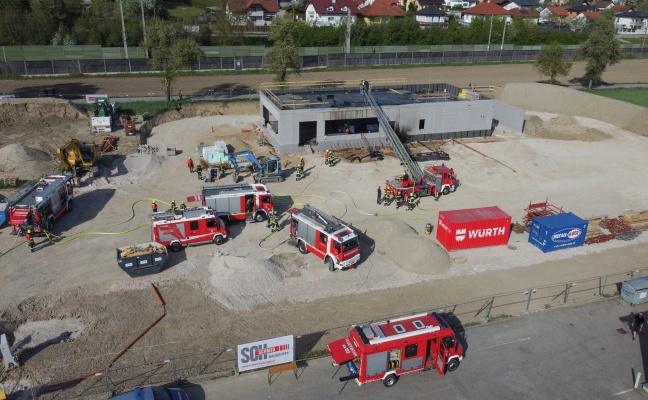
(184, 11)
(638, 96)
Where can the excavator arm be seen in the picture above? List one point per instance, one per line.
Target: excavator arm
(76, 155)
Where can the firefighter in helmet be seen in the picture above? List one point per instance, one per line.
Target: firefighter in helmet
(223, 165)
(173, 205)
(274, 222)
(411, 201)
(299, 171)
(183, 206)
(331, 159)
(154, 206)
(302, 162)
(190, 164)
(199, 171)
(399, 199)
(388, 196)
(326, 157)
(30, 239)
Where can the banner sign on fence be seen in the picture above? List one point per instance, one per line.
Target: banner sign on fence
(90, 98)
(265, 353)
(7, 96)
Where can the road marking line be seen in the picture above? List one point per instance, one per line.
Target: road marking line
(501, 344)
(625, 391)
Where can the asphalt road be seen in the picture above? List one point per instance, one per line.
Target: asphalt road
(627, 71)
(571, 353)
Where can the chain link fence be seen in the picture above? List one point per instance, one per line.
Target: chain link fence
(177, 370)
(478, 54)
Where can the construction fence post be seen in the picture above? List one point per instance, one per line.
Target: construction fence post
(529, 293)
(25, 62)
(79, 64)
(129, 66)
(489, 307)
(53, 68)
(567, 290)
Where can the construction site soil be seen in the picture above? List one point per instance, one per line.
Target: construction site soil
(71, 309)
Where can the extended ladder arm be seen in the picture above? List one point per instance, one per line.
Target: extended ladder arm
(410, 165)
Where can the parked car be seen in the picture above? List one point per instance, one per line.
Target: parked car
(153, 393)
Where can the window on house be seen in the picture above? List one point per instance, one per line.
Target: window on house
(411, 350)
(421, 124)
(344, 8)
(330, 8)
(330, 19)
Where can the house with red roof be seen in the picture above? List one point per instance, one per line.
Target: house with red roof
(553, 13)
(525, 13)
(381, 9)
(485, 10)
(330, 12)
(256, 12)
(421, 4)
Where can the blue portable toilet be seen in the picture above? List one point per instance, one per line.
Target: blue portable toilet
(635, 291)
(556, 232)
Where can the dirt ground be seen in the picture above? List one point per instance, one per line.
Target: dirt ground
(257, 286)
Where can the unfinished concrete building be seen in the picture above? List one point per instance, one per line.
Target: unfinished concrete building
(334, 115)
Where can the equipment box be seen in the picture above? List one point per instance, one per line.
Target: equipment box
(556, 232)
(635, 291)
(142, 259)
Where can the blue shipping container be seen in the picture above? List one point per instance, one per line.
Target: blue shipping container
(556, 232)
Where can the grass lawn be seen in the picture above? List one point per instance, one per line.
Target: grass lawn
(184, 11)
(635, 40)
(638, 96)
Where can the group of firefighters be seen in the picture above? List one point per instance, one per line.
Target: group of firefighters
(216, 172)
(174, 207)
(299, 171)
(398, 197)
(329, 159)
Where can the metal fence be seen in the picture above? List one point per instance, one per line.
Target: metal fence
(47, 62)
(178, 369)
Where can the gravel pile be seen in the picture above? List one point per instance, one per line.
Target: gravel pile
(25, 162)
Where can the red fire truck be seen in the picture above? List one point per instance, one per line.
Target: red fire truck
(327, 237)
(239, 202)
(42, 204)
(386, 350)
(437, 179)
(192, 226)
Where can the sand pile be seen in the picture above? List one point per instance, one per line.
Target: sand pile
(407, 248)
(240, 282)
(37, 113)
(562, 127)
(139, 166)
(25, 162)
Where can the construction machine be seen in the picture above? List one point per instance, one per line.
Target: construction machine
(76, 155)
(104, 117)
(267, 171)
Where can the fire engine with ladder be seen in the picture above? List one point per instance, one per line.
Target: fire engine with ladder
(386, 350)
(179, 228)
(437, 179)
(314, 231)
(239, 202)
(39, 206)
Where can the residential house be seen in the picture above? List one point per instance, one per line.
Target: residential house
(465, 4)
(330, 12)
(525, 13)
(632, 22)
(381, 9)
(484, 10)
(421, 4)
(511, 4)
(621, 9)
(581, 8)
(430, 16)
(603, 5)
(255, 12)
(553, 13)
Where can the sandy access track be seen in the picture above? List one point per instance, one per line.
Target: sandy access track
(250, 288)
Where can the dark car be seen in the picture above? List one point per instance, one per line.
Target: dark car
(153, 393)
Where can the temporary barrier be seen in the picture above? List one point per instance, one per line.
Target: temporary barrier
(473, 227)
(635, 291)
(555, 232)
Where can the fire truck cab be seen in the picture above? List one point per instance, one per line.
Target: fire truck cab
(386, 350)
(239, 202)
(313, 231)
(42, 204)
(193, 226)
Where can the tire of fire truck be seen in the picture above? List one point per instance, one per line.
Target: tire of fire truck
(302, 247)
(219, 240)
(176, 247)
(259, 217)
(331, 265)
(446, 191)
(453, 365)
(390, 380)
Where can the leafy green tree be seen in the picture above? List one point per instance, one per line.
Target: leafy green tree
(282, 56)
(171, 51)
(551, 62)
(601, 49)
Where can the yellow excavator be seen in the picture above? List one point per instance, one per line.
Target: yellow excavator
(76, 155)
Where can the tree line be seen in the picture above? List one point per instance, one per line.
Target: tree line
(67, 22)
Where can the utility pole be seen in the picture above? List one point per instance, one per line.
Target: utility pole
(121, 10)
(490, 33)
(347, 43)
(503, 35)
(143, 25)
